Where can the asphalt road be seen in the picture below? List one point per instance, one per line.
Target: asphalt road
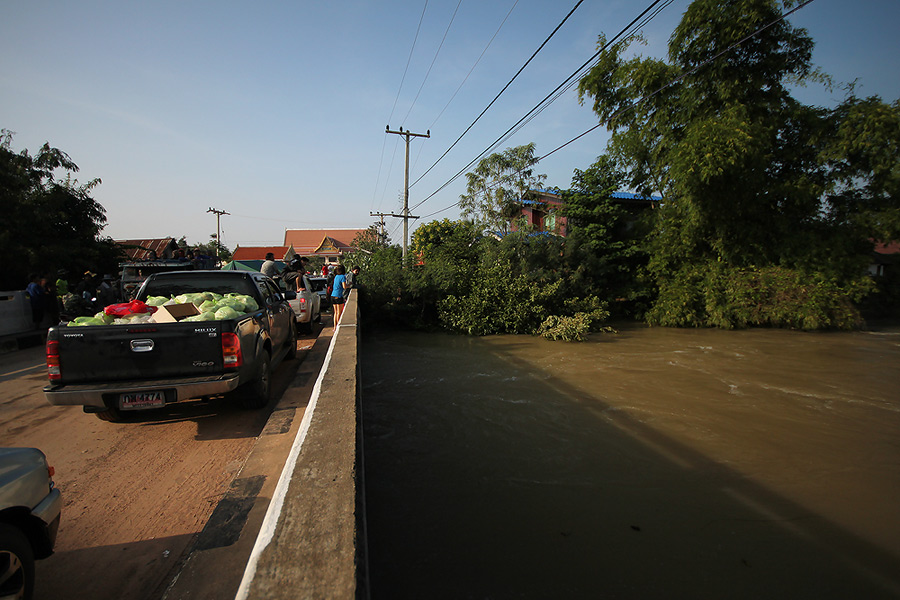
(137, 495)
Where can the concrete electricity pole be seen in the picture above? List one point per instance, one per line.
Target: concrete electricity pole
(219, 214)
(405, 216)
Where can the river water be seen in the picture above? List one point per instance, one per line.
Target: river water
(652, 463)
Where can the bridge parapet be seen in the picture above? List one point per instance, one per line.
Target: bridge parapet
(312, 543)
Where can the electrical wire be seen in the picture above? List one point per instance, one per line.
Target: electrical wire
(500, 93)
(466, 78)
(651, 95)
(431, 66)
(543, 103)
(394, 107)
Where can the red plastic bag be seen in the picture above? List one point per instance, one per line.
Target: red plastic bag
(129, 308)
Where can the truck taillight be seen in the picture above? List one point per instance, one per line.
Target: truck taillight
(231, 350)
(53, 372)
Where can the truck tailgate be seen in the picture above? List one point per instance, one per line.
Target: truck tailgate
(119, 352)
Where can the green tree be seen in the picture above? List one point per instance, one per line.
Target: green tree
(744, 169)
(498, 185)
(605, 244)
(370, 240)
(48, 222)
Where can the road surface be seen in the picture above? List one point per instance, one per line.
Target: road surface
(137, 495)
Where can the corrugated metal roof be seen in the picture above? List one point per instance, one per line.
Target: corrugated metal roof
(140, 249)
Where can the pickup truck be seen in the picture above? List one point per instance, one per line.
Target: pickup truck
(112, 370)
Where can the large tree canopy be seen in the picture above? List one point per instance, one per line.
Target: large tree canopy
(47, 223)
(750, 177)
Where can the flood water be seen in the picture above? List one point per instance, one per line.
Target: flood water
(653, 463)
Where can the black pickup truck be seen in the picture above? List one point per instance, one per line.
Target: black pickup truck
(111, 370)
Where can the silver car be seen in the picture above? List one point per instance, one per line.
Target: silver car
(30, 507)
(307, 306)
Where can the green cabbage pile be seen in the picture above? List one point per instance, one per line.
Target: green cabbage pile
(216, 307)
(212, 307)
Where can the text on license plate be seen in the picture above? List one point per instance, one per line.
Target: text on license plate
(141, 400)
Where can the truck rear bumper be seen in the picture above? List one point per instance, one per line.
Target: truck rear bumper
(184, 389)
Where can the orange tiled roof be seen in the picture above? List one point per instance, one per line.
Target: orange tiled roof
(259, 252)
(308, 241)
(887, 248)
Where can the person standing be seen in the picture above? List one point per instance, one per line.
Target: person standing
(337, 293)
(36, 294)
(352, 281)
(268, 267)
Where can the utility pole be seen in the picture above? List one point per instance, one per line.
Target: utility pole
(381, 235)
(407, 134)
(219, 214)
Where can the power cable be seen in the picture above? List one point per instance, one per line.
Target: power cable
(649, 96)
(543, 102)
(431, 66)
(478, 60)
(541, 47)
(394, 107)
(466, 78)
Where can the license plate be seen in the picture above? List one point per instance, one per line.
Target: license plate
(140, 400)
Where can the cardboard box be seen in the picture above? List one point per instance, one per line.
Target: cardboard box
(175, 312)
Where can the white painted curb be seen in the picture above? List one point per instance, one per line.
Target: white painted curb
(270, 522)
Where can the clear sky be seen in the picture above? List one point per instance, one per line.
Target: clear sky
(276, 111)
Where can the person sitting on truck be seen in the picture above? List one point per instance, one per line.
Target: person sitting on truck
(268, 267)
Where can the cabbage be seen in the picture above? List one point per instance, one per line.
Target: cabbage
(83, 321)
(107, 319)
(249, 303)
(209, 305)
(156, 300)
(195, 298)
(204, 316)
(232, 302)
(225, 313)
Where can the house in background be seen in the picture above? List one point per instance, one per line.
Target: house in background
(885, 259)
(330, 244)
(542, 210)
(136, 250)
(282, 253)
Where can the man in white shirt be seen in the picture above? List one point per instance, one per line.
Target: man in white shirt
(268, 267)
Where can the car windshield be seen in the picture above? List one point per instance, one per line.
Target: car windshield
(318, 284)
(175, 284)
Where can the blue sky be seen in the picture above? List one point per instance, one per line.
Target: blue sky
(275, 111)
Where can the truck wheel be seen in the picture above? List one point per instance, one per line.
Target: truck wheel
(16, 564)
(110, 415)
(256, 393)
(306, 327)
(292, 349)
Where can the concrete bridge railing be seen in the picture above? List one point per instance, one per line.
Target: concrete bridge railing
(312, 543)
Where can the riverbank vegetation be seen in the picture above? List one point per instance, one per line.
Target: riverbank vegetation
(767, 210)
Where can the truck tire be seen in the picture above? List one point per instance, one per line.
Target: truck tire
(292, 349)
(16, 562)
(255, 394)
(110, 415)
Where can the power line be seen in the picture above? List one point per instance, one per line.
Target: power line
(522, 68)
(478, 60)
(648, 97)
(543, 103)
(394, 107)
(427, 73)
(408, 60)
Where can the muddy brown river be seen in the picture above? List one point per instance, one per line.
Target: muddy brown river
(653, 463)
